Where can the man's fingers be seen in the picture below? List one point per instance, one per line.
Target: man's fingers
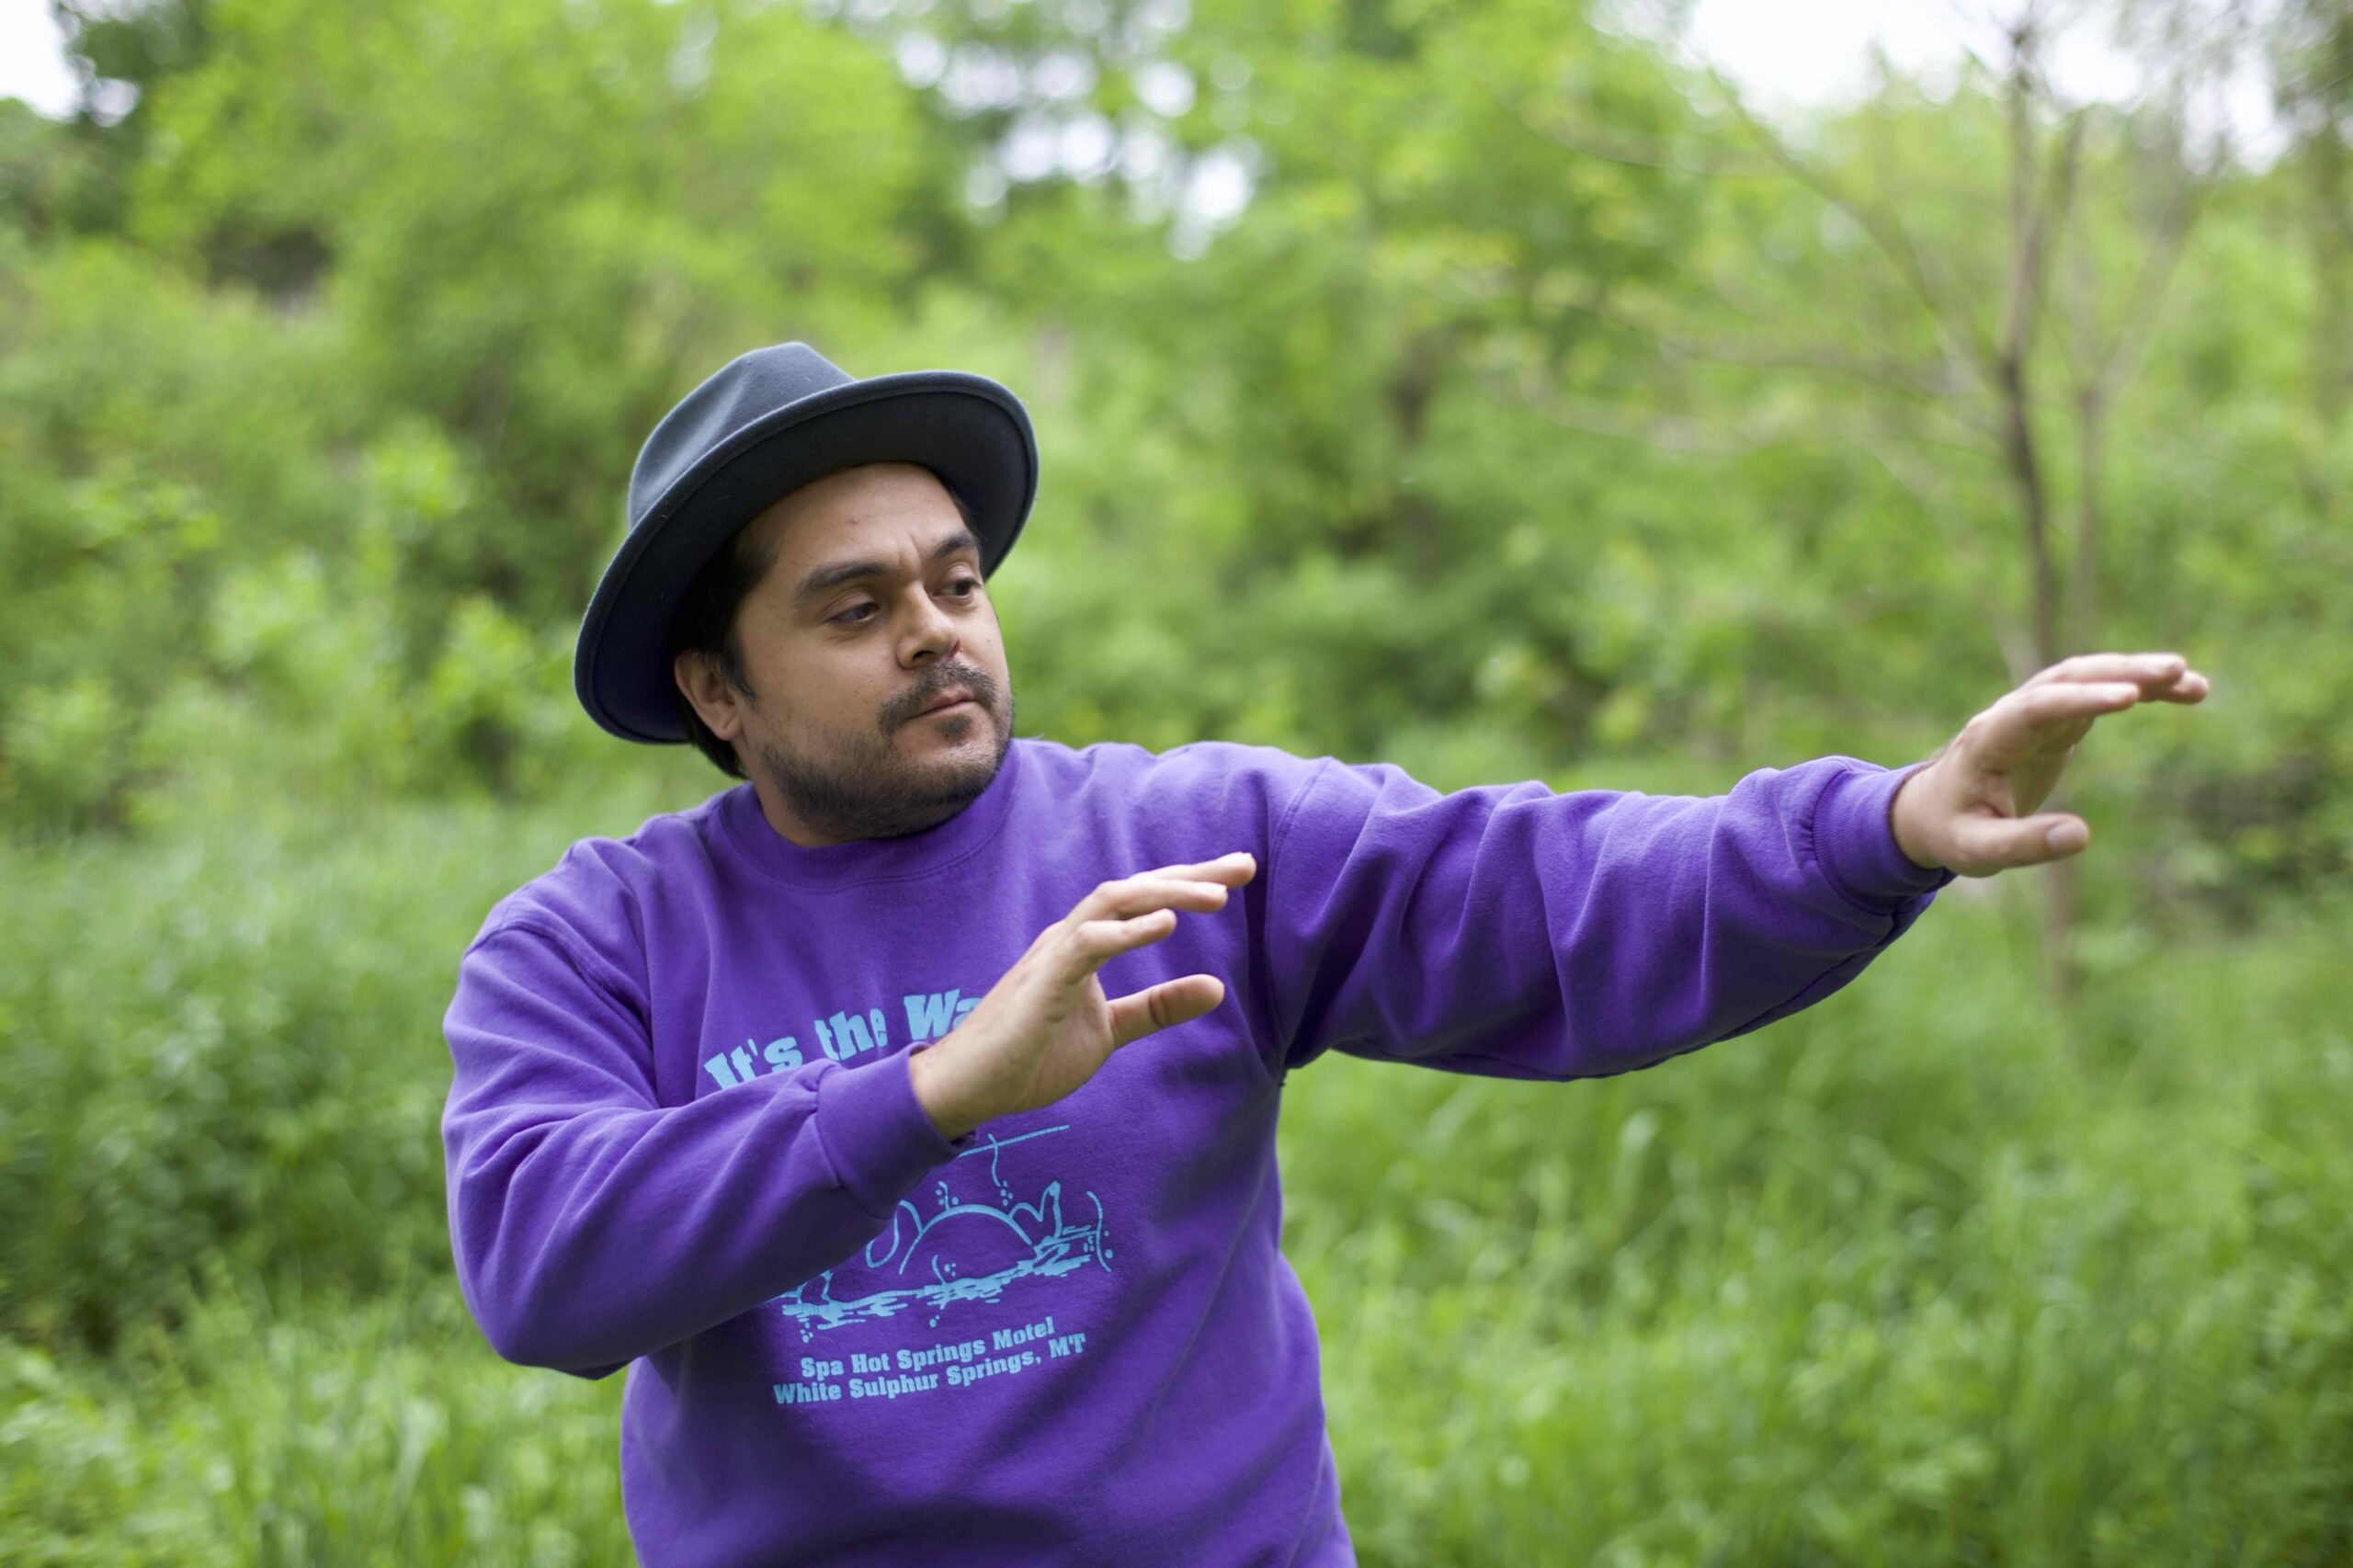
(2159, 669)
(1984, 845)
(2045, 705)
(1203, 886)
(1141, 895)
(1094, 942)
(2014, 726)
(1234, 870)
(2164, 678)
(1158, 1006)
(1119, 915)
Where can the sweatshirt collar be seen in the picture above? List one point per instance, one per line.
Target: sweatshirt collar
(748, 834)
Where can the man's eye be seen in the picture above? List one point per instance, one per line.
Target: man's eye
(850, 617)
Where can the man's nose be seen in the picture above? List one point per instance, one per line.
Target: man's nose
(934, 628)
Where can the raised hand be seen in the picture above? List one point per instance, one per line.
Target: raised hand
(1046, 1027)
(1971, 808)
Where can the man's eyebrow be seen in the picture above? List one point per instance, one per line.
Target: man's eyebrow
(840, 572)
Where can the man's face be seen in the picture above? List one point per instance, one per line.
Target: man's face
(834, 736)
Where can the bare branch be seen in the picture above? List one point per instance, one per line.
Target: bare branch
(1916, 481)
(1687, 437)
(1935, 385)
(2034, 215)
(1923, 382)
(1969, 19)
(1588, 146)
(2114, 364)
(1883, 229)
(1699, 436)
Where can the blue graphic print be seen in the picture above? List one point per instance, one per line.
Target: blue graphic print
(971, 1251)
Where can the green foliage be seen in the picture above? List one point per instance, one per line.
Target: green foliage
(1496, 401)
(323, 1430)
(1913, 1278)
(1919, 1275)
(227, 1051)
(1532, 421)
(537, 219)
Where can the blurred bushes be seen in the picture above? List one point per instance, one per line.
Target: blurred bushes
(1513, 431)
(1474, 442)
(230, 1049)
(1920, 1274)
(294, 1428)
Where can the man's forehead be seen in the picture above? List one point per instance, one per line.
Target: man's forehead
(843, 509)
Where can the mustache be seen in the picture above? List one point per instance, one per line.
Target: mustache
(983, 692)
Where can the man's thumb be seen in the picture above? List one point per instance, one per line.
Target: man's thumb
(2000, 842)
(1159, 1006)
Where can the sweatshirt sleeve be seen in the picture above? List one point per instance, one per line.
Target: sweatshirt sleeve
(592, 1226)
(1514, 932)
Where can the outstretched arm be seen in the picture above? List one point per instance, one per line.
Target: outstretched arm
(1514, 932)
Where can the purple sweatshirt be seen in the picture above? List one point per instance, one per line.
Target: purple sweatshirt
(682, 1137)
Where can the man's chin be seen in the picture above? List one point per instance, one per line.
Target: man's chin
(973, 760)
(969, 730)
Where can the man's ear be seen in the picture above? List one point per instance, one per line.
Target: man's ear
(713, 698)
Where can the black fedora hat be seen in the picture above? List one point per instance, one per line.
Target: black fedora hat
(763, 426)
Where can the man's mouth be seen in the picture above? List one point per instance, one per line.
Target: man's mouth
(956, 697)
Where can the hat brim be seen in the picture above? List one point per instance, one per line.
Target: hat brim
(966, 428)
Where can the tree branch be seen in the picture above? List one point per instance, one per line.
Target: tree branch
(1884, 230)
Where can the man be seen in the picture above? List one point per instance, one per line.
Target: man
(810, 1103)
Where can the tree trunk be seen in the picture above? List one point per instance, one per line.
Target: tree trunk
(2031, 231)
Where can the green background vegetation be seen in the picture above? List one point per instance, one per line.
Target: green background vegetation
(1542, 414)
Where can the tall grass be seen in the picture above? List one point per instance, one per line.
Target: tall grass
(1926, 1274)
